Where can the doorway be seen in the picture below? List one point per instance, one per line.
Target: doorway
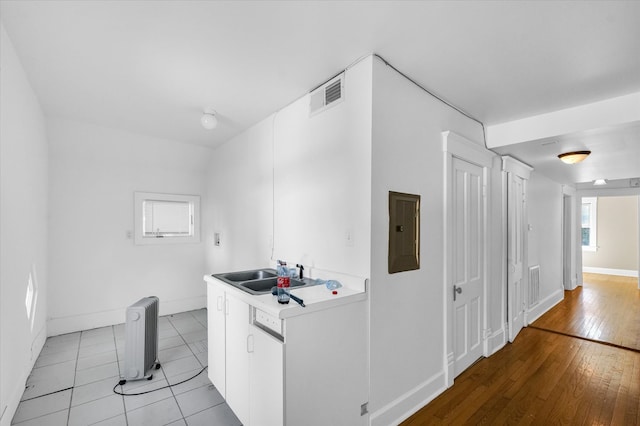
(610, 235)
(467, 167)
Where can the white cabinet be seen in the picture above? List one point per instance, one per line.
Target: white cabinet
(228, 349)
(309, 369)
(266, 379)
(216, 320)
(237, 355)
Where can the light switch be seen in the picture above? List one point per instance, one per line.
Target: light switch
(348, 236)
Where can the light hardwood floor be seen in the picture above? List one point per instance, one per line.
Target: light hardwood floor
(606, 308)
(545, 377)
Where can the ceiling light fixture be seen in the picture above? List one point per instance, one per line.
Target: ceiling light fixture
(573, 157)
(209, 120)
(600, 182)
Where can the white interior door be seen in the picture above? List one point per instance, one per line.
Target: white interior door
(516, 228)
(468, 263)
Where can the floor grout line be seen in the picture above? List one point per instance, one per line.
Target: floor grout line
(167, 378)
(194, 351)
(74, 378)
(124, 405)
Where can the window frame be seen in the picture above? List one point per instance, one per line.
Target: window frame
(593, 223)
(141, 197)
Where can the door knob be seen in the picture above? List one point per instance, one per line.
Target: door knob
(457, 290)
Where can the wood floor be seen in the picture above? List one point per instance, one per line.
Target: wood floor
(606, 308)
(548, 378)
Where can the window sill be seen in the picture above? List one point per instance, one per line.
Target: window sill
(590, 248)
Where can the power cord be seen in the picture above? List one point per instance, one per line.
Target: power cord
(122, 382)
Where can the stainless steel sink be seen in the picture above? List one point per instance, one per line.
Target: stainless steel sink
(265, 286)
(258, 281)
(249, 275)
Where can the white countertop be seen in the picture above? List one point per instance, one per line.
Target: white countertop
(316, 297)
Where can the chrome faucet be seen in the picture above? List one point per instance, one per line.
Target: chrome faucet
(300, 275)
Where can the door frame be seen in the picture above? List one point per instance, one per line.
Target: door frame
(455, 145)
(617, 191)
(569, 236)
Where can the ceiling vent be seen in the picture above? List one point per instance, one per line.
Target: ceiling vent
(327, 95)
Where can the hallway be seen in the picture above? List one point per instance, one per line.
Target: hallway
(547, 377)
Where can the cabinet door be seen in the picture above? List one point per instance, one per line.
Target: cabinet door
(267, 379)
(237, 355)
(216, 336)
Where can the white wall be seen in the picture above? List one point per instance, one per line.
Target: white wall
(323, 180)
(23, 227)
(544, 201)
(617, 237)
(95, 270)
(317, 170)
(406, 313)
(240, 202)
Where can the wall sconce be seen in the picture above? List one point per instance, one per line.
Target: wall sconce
(573, 157)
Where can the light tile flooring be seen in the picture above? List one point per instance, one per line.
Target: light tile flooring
(73, 379)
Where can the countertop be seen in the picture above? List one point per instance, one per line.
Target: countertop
(316, 297)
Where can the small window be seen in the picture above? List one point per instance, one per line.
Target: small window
(589, 223)
(166, 218)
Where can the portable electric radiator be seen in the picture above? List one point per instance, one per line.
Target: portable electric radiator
(141, 339)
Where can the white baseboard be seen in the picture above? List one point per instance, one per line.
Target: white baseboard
(11, 405)
(14, 399)
(450, 372)
(496, 341)
(73, 323)
(401, 408)
(544, 305)
(609, 271)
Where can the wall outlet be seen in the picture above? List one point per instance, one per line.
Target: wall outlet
(634, 183)
(129, 235)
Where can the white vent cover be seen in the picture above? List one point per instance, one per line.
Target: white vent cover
(327, 95)
(534, 285)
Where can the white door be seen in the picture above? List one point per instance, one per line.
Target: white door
(516, 228)
(468, 263)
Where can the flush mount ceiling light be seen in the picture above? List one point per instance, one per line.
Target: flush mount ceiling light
(573, 157)
(209, 120)
(600, 182)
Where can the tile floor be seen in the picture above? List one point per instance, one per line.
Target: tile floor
(72, 381)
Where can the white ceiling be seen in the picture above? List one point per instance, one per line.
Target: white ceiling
(152, 66)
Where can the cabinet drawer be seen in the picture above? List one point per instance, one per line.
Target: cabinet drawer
(268, 322)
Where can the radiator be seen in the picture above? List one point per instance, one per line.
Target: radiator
(141, 339)
(534, 285)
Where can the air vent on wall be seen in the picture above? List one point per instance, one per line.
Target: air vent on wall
(327, 95)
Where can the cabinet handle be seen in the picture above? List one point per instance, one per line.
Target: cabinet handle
(219, 304)
(250, 343)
